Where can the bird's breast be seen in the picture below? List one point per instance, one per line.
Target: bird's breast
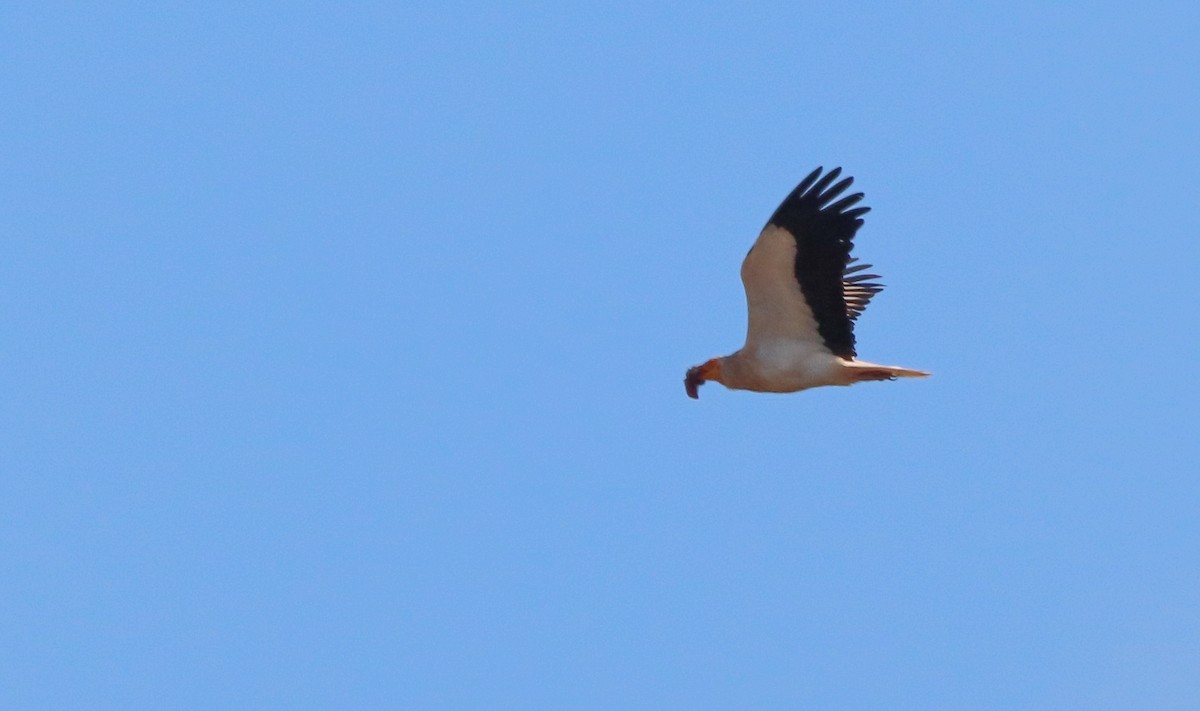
(793, 365)
(782, 356)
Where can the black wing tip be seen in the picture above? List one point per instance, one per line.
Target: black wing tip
(818, 190)
(805, 184)
(816, 195)
(824, 223)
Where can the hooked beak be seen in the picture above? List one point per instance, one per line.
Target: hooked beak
(697, 376)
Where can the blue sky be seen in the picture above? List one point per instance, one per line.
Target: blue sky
(343, 353)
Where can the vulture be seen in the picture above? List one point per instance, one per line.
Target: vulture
(803, 293)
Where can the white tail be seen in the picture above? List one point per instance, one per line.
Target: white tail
(861, 370)
(906, 372)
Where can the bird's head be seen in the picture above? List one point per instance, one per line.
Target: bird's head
(710, 370)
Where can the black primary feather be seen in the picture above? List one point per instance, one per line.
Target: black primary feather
(824, 232)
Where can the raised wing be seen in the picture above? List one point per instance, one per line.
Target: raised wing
(798, 279)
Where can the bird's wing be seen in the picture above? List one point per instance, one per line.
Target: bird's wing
(799, 284)
(858, 288)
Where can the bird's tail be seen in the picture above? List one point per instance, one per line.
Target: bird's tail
(861, 370)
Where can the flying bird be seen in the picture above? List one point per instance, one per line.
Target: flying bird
(803, 293)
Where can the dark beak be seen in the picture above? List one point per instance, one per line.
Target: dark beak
(692, 382)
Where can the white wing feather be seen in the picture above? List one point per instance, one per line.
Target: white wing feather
(780, 325)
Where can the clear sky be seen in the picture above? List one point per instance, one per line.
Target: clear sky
(343, 348)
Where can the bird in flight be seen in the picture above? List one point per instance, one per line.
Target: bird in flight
(803, 293)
